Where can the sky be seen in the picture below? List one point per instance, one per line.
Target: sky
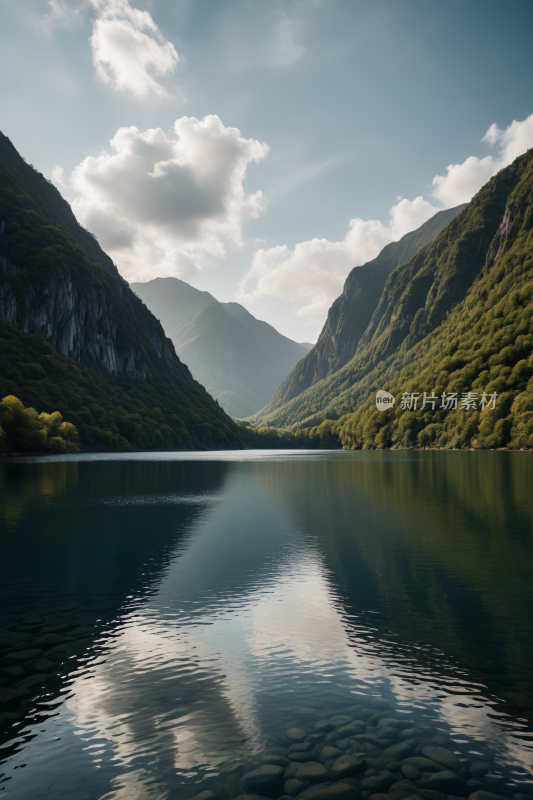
(261, 149)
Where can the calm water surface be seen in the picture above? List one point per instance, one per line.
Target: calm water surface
(164, 616)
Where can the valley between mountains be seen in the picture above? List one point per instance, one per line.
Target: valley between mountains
(446, 310)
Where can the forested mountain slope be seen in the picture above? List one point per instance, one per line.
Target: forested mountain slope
(421, 295)
(59, 287)
(350, 314)
(238, 358)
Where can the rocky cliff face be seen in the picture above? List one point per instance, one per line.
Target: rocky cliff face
(80, 322)
(421, 292)
(56, 281)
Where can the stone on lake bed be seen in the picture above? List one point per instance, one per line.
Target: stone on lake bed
(307, 712)
(24, 655)
(325, 791)
(376, 783)
(61, 651)
(391, 722)
(9, 695)
(43, 663)
(340, 719)
(479, 768)
(350, 730)
(11, 637)
(343, 744)
(293, 786)
(13, 671)
(398, 751)
(409, 733)
(481, 795)
(32, 680)
(296, 734)
(423, 764)
(441, 781)
(432, 794)
(410, 771)
(252, 797)
(345, 766)
(401, 790)
(300, 747)
(207, 795)
(266, 775)
(328, 753)
(301, 757)
(442, 756)
(312, 772)
(291, 770)
(323, 726)
(273, 759)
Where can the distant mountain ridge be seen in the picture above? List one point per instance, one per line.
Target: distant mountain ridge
(350, 314)
(238, 358)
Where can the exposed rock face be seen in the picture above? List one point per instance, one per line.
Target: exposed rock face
(76, 299)
(80, 322)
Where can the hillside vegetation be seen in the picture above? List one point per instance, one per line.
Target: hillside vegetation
(23, 429)
(439, 303)
(110, 414)
(351, 313)
(482, 343)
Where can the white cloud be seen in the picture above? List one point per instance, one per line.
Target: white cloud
(408, 215)
(493, 134)
(129, 49)
(462, 181)
(160, 205)
(313, 274)
(58, 175)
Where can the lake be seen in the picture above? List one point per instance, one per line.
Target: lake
(171, 623)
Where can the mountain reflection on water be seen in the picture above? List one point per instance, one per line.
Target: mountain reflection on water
(222, 592)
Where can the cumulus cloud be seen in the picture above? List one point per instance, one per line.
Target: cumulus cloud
(313, 273)
(129, 49)
(58, 175)
(461, 181)
(160, 205)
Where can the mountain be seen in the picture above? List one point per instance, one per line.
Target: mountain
(75, 338)
(455, 318)
(350, 314)
(238, 358)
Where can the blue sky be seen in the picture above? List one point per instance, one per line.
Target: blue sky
(249, 135)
